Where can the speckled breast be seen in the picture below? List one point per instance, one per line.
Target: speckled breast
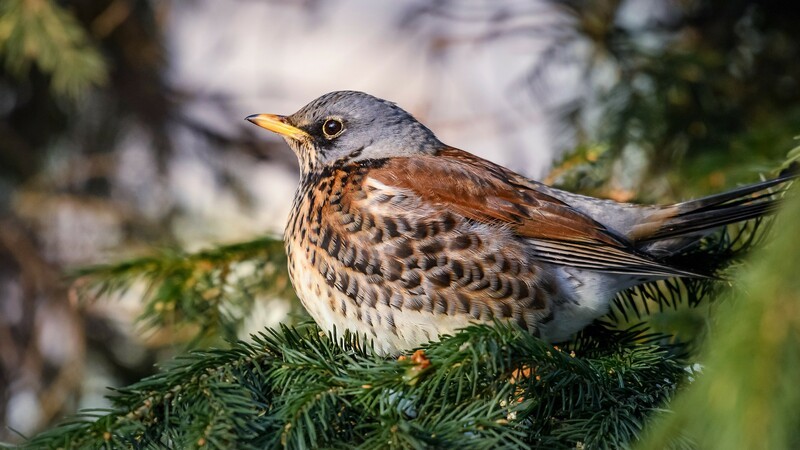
(375, 260)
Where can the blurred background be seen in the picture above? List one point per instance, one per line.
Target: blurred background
(122, 133)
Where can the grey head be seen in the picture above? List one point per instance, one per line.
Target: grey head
(345, 126)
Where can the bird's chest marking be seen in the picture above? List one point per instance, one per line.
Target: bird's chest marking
(322, 260)
(368, 258)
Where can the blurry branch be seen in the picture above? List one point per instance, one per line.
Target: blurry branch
(43, 33)
(21, 360)
(748, 396)
(685, 97)
(212, 289)
(792, 158)
(115, 13)
(691, 90)
(485, 387)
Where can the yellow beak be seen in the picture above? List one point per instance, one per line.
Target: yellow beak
(278, 124)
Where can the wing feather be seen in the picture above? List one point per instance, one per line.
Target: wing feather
(479, 190)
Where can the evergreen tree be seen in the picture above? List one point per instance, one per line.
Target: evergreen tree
(685, 107)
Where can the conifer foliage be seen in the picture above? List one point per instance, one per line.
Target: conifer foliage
(486, 387)
(211, 290)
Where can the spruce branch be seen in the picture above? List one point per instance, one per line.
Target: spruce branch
(485, 387)
(213, 289)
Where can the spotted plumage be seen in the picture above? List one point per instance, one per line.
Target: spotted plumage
(397, 236)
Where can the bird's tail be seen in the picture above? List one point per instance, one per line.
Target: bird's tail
(676, 226)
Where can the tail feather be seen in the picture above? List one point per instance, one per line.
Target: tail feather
(696, 217)
(700, 222)
(736, 196)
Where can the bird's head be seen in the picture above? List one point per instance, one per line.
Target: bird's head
(347, 126)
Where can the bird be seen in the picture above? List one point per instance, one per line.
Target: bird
(398, 237)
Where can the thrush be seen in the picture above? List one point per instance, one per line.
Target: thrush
(399, 237)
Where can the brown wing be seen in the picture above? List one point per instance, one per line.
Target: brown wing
(479, 190)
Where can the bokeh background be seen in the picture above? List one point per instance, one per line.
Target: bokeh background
(122, 132)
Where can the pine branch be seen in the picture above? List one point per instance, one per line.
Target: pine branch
(485, 387)
(212, 289)
(43, 33)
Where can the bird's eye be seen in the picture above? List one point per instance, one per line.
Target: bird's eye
(332, 128)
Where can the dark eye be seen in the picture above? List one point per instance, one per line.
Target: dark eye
(332, 128)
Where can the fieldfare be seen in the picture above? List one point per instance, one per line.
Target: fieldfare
(397, 236)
